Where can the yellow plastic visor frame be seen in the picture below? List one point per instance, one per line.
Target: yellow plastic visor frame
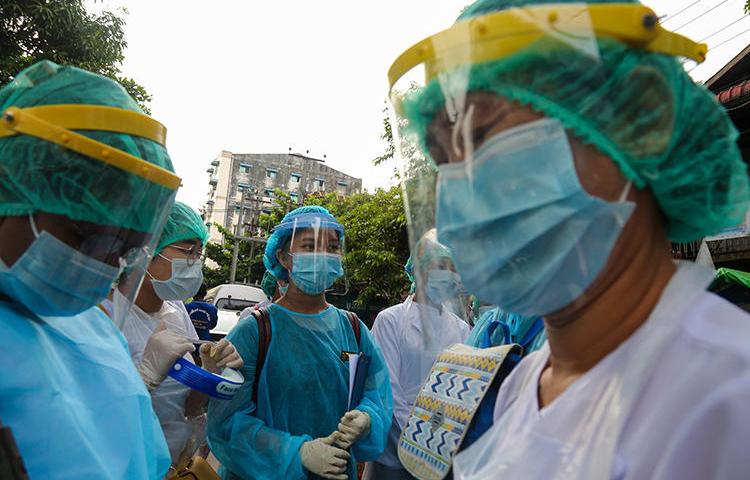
(501, 34)
(54, 124)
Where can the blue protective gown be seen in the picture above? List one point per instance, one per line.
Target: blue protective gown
(302, 394)
(76, 405)
(516, 331)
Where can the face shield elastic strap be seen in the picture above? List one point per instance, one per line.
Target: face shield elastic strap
(54, 123)
(501, 34)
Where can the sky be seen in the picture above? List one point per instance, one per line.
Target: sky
(261, 77)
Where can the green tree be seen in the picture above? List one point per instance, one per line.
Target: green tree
(64, 32)
(376, 244)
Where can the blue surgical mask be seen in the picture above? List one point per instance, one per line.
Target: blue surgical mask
(442, 286)
(314, 272)
(527, 236)
(184, 283)
(283, 289)
(53, 279)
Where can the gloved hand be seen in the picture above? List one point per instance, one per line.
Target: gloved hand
(320, 457)
(163, 348)
(215, 356)
(352, 426)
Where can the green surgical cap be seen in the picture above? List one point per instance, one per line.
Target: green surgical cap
(640, 108)
(268, 284)
(183, 223)
(39, 176)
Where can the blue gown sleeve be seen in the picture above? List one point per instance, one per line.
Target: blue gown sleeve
(243, 443)
(377, 401)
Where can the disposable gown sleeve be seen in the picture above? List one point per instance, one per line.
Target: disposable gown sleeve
(377, 401)
(386, 336)
(476, 337)
(243, 443)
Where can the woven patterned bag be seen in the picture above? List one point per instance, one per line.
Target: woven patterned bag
(445, 407)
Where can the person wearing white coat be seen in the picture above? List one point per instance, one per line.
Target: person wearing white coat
(411, 335)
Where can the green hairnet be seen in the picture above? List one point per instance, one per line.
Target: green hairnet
(639, 108)
(268, 284)
(39, 176)
(183, 223)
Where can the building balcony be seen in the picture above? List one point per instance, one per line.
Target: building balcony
(213, 181)
(215, 163)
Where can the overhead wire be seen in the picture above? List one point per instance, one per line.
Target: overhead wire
(723, 28)
(670, 17)
(701, 15)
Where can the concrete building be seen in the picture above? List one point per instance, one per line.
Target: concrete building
(258, 175)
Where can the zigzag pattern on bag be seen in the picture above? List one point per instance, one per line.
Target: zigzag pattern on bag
(445, 407)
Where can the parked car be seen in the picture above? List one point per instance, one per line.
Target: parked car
(230, 300)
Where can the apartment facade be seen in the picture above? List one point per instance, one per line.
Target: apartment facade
(255, 177)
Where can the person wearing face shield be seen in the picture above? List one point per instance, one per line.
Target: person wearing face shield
(560, 147)
(159, 331)
(84, 176)
(291, 418)
(411, 335)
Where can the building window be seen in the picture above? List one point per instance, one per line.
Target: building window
(242, 185)
(319, 182)
(296, 178)
(270, 173)
(268, 192)
(341, 183)
(244, 168)
(294, 197)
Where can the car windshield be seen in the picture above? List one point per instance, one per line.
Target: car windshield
(237, 304)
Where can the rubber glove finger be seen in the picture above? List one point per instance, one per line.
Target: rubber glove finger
(232, 356)
(348, 431)
(331, 439)
(340, 463)
(341, 453)
(219, 348)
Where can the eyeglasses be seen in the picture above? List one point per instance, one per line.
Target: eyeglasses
(192, 254)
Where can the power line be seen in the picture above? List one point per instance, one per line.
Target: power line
(670, 17)
(730, 39)
(701, 15)
(722, 29)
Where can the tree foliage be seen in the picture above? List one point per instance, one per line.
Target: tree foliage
(64, 32)
(376, 244)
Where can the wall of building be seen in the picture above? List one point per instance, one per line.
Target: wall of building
(259, 175)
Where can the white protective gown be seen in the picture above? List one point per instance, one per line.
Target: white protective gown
(169, 397)
(669, 403)
(410, 349)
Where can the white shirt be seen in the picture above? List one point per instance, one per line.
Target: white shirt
(409, 350)
(169, 397)
(668, 403)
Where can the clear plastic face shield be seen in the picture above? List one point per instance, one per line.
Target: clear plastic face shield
(438, 287)
(313, 253)
(489, 115)
(115, 203)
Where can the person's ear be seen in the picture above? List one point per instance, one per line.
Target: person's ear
(283, 259)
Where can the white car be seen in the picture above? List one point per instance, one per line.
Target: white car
(230, 300)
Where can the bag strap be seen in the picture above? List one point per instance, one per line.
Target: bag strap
(354, 322)
(264, 340)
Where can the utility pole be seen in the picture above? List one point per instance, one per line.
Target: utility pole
(237, 230)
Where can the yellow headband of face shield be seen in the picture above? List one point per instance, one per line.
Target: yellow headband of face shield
(501, 34)
(54, 123)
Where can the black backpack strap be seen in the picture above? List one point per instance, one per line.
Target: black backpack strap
(264, 340)
(354, 322)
